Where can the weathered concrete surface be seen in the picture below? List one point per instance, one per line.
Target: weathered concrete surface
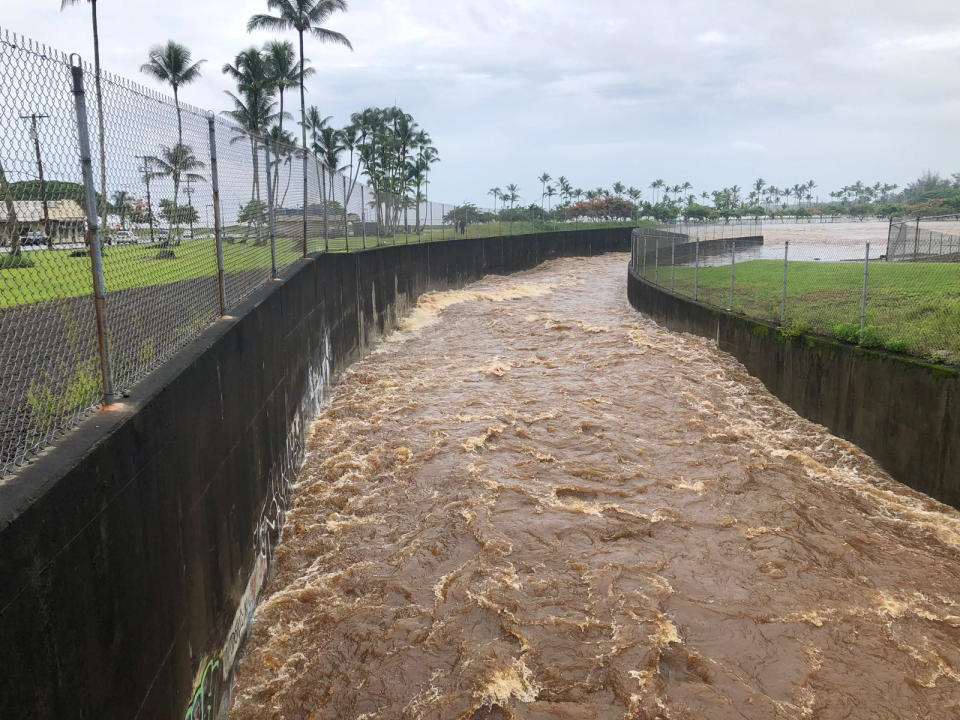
(904, 413)
(126, 550)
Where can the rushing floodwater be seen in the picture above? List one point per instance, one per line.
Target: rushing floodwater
(534, 503)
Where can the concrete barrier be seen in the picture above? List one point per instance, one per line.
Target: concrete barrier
(903, 412)
(132, 553)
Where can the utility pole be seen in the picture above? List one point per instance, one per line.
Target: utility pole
(35, 135)
(189, 182)
(146, 179)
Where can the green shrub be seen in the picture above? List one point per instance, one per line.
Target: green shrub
(870, 337)
(52, 405)
(795, 329)
(847, 332)
(897, 346)
(11, 262)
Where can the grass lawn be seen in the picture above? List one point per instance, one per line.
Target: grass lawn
(913, 305)
(56, 274)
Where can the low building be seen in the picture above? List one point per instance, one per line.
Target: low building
(67, 220)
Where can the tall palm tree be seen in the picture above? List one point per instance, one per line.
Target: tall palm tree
(619, 189)
(513, 194)
(302, 16)
(495, 193)
(172, 63)
(99, 89)
(253, 104)
(655, 186)
(544, 179)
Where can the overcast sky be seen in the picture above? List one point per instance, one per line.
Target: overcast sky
(714, 92)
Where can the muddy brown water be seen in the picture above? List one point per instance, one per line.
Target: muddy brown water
(533, 502)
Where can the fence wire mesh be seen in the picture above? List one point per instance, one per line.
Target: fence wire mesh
(846, 290)
(925, 239)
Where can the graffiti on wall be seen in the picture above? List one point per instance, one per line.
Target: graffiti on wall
(205, 692)
(212, 688)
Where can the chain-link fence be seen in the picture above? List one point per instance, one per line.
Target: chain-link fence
(837, 289)
(924, 239)
(130, 222)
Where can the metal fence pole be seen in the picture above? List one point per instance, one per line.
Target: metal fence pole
(93, 230)
(363, 220)
(889, 237)
(643, 261)
(783, 299)
(271, 219)
(673, 263)
(916, 240)
(696, 269)
(866, 280)
(323, 198)
(378, 217)
(346, 220)
(733, 270)
(656, 261)
(217, 220)
(443, 225)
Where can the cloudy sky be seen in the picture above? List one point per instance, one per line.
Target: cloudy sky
(714, 92)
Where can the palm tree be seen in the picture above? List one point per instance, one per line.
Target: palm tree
(618, 189)
(655, 186)
(99, 89)
(121, 207)
(550, 193)
(177, 163)
(495, 193)
(171, 63)
(253, 105)
(283, 71)
(544, 179)
(302, 16)
(512, 195)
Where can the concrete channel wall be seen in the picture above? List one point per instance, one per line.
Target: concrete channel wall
(132, 553)
(903, 412)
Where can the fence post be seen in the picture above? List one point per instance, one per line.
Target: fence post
(916, 240)
(378, 216)
(643, 261)
(93, 230)
(696, 269)
(326, 208)
(363, 220)
(889, 237)
(866, 280)
(673, 263)
(783, 299)
(656, 261)
(443, 226)
(217, 220)
(346, 220)
(271, 220)
(733, 270)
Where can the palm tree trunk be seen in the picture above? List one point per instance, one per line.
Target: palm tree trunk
(276, 172)
(103, 151)
(303, 135)
(176, 101)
